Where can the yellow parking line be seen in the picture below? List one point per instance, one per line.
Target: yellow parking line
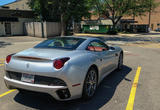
(1, 64)
(8, 92)
(2, 61)
(133, 90)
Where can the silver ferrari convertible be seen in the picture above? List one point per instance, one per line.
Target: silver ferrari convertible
(63, 67)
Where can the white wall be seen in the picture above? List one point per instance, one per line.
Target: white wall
(51, 29)
(2, 29)
(29, 30)
(17, 28)
(38, 29)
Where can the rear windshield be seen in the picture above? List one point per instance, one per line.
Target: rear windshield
(68, 43)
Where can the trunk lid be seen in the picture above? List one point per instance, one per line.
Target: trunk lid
(43, 54)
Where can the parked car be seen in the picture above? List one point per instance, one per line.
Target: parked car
(64, 67)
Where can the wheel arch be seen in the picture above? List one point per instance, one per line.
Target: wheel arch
(121, 52)
(97, 70)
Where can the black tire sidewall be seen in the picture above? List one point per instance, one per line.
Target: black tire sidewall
(84, 94)
(120, 56)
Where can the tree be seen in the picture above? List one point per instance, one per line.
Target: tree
(44, 10)
(61, 10)
(116, 9)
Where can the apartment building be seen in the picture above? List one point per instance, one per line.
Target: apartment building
(151, 20)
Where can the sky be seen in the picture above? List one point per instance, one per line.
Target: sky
(3, 2)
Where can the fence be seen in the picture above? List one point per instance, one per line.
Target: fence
(42, 29)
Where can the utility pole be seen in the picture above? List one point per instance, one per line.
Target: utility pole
(42, 27)
(149, 22)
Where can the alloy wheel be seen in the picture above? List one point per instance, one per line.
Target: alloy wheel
(90, 84)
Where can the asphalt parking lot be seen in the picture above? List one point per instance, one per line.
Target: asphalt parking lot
(114, 93)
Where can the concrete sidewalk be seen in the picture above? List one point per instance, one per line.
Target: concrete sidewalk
(151, 34)
(14, 39)
(109, 39)
(126, 38)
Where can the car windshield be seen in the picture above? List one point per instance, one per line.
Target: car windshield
(68, 43)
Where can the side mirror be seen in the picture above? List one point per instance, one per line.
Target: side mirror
(111, 48)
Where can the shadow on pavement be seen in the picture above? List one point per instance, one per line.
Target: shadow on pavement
(3, 44)
(153, 33)
(103, 94)
(131, 39)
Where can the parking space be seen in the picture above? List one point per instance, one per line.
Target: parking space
(113, 93)
(1, 62)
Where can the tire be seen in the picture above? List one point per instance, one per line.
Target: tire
(90, 84)
(22, 91)
(120, 62)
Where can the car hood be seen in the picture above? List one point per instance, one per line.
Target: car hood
(47, 53)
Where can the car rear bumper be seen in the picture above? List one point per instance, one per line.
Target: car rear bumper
(54, 91)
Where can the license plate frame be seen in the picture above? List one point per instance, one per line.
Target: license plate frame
(29, 78)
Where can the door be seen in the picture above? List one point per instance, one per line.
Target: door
(105, 56)
(8, 28)
(112, 55)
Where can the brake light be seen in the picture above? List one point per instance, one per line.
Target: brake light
(8, 58)
(58, 64)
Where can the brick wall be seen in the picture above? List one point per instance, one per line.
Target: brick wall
(155, 18)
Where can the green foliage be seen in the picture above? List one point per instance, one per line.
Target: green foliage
(64, 11)
(51, 10)
(44, 10)
(116, 9)
(67, 11)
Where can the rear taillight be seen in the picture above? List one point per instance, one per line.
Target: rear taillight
(8, 58)
(59, 63)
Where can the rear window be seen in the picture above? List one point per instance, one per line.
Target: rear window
(68, 43)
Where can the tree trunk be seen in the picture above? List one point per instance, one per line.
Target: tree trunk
(115, 22)
(63, 26)
(114, 25)
(113, 30)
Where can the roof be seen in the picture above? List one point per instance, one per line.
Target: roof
(17, 5)
(16, 13)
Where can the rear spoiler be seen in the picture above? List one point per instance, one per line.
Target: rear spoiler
(31, 58)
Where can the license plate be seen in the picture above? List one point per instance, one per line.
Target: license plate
(27, 78)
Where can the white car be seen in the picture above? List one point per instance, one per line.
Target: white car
(64, 67)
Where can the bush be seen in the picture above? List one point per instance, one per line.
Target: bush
(112, 31)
